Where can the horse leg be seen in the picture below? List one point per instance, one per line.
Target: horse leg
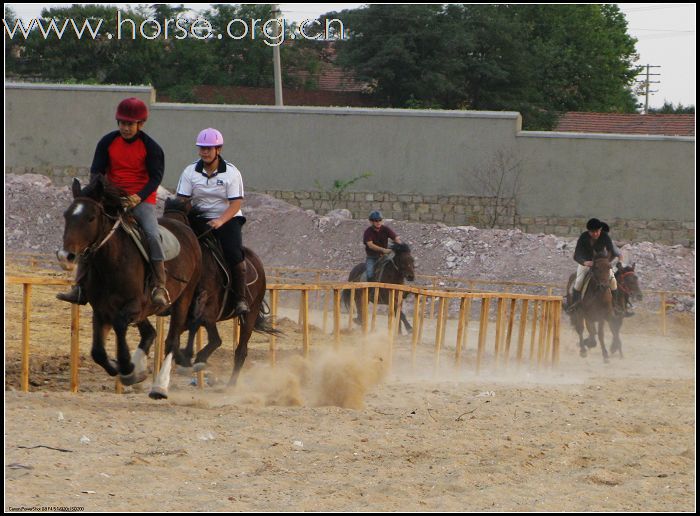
(214, 341)
(242, 347)
(140, 355)
(99, 353)
(407, 325)
(178, 320)
(590, 326)
(186, 355)
(577, 320)
(615, 324)
(126, 368)
(601, 333)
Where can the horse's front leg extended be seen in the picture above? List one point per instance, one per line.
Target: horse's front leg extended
(99, 353)
(578, 326)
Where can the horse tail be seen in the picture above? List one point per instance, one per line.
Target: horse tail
(263, 324)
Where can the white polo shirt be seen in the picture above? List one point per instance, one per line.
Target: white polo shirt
(211, 194)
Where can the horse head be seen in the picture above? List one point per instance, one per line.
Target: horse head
(404, 260)
(628, 282)
(601, 270)
(86, 219)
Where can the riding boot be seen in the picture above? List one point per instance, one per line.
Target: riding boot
(575, 299)
(76, 294)
(238, 288)
(159, 294)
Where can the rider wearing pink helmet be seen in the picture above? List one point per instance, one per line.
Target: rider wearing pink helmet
(134, 162)
(215, 187)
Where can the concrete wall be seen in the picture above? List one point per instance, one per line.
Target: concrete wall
(427, 160)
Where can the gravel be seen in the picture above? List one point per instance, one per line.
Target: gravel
(285, 235)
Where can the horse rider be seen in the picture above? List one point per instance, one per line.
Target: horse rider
(376, 240)
(134, 162)
(215, 186)
(592, 241)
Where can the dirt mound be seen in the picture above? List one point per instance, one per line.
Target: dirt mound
(285, 235)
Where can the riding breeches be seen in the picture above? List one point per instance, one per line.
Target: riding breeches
(582, 271)
(145, 214)
(231, 240)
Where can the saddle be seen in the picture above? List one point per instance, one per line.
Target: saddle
(170, 243)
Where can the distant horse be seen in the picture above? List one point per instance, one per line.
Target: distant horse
(215, 302)
(627, 288)
(116, 280)
(393, 270)
(596, 306)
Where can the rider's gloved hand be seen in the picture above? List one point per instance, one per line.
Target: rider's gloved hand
(131, 202)
(386, 251)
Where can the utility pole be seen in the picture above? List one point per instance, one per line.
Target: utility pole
(276, 64)
(646, 83)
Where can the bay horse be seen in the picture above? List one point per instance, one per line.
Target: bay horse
(596, 306)
(395, 270)
(116, 277)
(213, 301)
(627, 288)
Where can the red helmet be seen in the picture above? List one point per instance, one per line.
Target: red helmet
(132, 110)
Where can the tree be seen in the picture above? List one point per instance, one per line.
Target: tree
(536, 59)
(669, 109)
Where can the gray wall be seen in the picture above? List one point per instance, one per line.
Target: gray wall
(407, 151)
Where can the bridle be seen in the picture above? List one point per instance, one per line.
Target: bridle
(97, 245)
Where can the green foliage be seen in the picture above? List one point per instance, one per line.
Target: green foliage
(535, 59)
(339, 187)
(171, 64)
(669, 109)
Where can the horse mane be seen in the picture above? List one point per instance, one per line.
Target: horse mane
(400, 248)
(106, 193)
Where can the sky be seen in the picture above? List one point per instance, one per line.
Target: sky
(665, 36)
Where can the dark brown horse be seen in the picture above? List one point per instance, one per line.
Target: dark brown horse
(394, 269)
(596, 306)
(116, 281)
(215, 302)
(627, 289)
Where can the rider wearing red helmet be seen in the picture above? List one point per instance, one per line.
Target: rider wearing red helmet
(215, 186)
(134, 162)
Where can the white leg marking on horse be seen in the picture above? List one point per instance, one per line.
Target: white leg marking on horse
(163, 378)
(139, 359)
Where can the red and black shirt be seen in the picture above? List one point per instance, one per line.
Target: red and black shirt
(136, 166)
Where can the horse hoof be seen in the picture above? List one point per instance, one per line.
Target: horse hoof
(199, 366)
(183, 371)
(606, 360)
(158, 393)
(583, 353)
(133, 378)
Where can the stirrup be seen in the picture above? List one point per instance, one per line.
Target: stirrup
(167, 296)
(75, 296)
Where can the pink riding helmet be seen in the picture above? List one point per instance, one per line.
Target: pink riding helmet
(210, 138)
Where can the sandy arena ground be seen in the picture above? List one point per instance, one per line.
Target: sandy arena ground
(338, 432)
